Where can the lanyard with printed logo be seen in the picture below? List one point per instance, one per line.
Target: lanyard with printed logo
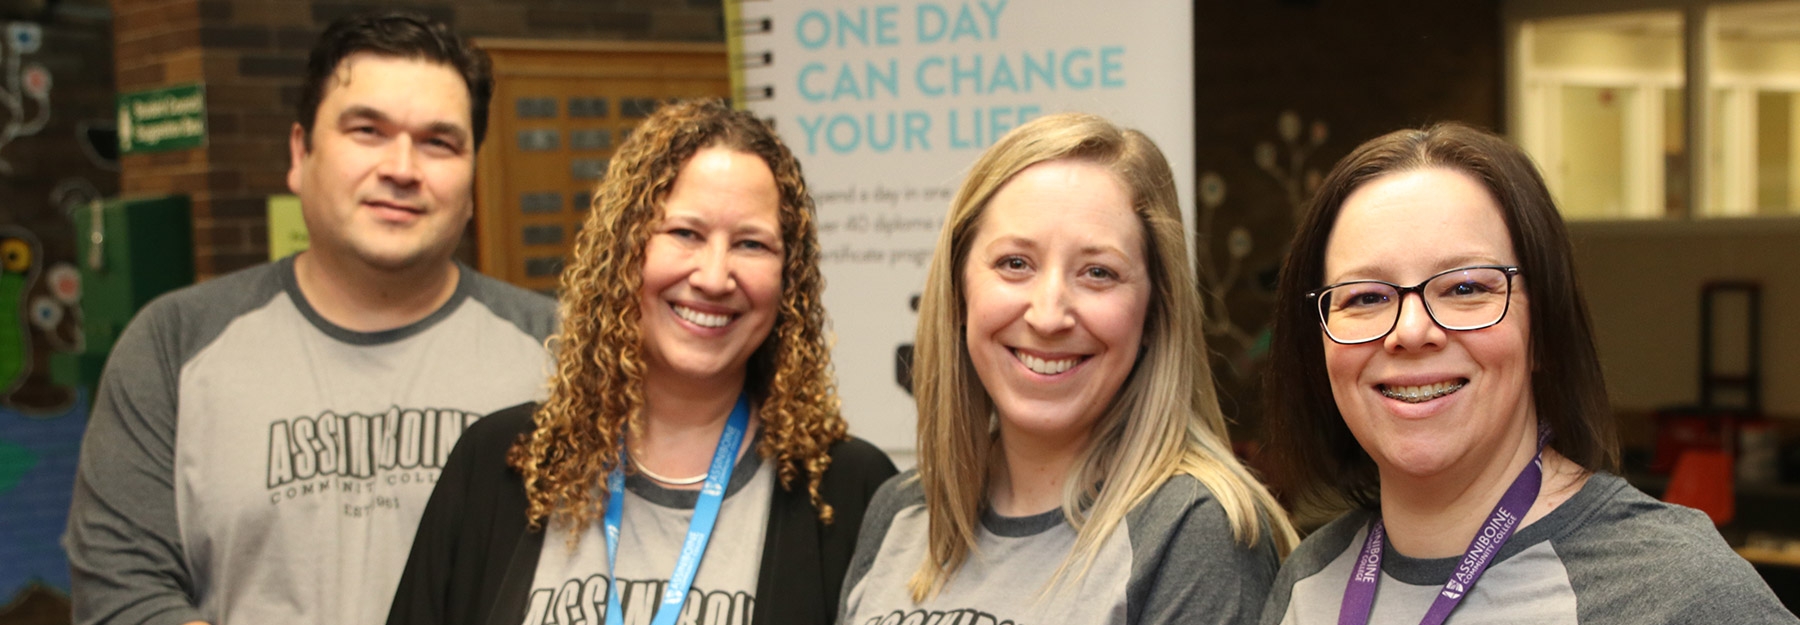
(706, 513)
(1365, 573)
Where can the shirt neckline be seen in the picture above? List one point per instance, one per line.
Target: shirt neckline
(1433, 571)
(741, 473)
(290, 283)
(1021, 526)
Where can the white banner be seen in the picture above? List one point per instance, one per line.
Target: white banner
(888, 103)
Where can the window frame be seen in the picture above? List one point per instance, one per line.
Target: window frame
(1533, 112)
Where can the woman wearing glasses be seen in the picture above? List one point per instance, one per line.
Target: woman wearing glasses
(1437, 375)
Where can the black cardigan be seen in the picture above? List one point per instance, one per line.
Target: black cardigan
(473, 559)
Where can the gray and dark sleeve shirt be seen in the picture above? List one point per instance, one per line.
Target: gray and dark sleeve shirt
(569, 585)
(1173, 560)
(247, 461)
(1610, 554)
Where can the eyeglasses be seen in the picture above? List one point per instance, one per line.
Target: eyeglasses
(1469, 298)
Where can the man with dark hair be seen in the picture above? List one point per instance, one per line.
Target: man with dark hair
(262, 445)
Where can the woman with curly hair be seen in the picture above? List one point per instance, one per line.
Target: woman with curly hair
(1073, 462)
(692, 405)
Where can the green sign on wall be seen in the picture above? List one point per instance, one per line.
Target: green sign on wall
(287, 227)
(160, 120)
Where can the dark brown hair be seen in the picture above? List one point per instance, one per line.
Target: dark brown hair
(1315, 457)
(396, 34)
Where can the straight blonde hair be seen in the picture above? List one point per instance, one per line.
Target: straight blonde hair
(1164, 421)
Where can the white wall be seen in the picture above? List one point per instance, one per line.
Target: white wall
(1642, 281)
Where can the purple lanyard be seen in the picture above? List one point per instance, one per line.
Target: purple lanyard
(1359, 593)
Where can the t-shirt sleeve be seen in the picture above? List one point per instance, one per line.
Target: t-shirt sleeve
(534, 314)
(892, 497)
(126, 560)
(1736, 594)
(1307, 560)
(1650, 562)
(1281, 591)
(1188, 567)
(858, 470)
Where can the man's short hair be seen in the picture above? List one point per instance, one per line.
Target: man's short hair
(396, 34)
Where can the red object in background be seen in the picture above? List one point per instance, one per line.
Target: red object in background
(1703, 480)
(1677, 433)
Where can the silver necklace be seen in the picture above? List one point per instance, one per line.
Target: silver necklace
(675, 481)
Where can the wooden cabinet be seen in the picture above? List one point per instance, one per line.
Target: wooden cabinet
(560, 109)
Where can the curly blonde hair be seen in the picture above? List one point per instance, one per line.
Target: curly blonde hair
(597, 390)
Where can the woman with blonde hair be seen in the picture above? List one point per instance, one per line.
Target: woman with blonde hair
(692, 404)
(1073, 463)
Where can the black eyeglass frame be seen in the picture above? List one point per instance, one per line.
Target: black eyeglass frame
(1312, 296)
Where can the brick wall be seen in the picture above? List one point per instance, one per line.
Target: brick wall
(252, 53)
(45, 171)
(1362, 68)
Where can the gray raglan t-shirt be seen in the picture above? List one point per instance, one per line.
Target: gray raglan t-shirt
(247, 461)
(1610, 554)
(569, 588)
(1173, 560)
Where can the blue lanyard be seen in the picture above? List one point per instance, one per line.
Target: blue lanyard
(1365, 573)
(706, 514)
